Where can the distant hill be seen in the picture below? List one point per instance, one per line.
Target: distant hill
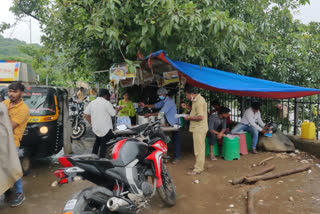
(9, 49)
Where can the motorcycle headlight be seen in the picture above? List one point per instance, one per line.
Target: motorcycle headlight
(43, 130)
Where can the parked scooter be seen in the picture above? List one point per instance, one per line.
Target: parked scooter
(76, 112)
(126, 182)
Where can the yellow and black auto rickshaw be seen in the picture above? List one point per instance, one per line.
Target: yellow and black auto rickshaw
(45, 133)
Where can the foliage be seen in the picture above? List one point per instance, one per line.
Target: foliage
(13, 49)
(9, 50)
(258, 38)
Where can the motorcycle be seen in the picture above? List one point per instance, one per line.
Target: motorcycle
(127, 181)
(78, 125)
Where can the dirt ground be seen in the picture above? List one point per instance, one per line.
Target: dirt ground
(213, 194)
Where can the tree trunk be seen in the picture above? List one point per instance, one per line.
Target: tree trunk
(261, 172)
(277, 175)
(250, 196)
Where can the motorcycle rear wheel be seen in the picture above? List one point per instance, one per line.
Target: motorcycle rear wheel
(79, 131)
(80, 204)
(167, 190)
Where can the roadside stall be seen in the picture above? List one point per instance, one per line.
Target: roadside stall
(157, 70)
(150, 75)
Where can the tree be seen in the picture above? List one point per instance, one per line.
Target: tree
(253, 37)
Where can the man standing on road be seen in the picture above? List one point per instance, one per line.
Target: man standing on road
(169, 108)
(198, 126)
(98, 114)
(18, 114)
(80, 96)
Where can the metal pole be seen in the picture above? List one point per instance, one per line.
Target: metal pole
(317, 117)
(242, 106)
(179, 98)
(303, 109)
(30, 33)
(211, 100)
(47, 71)
(296, 116)
(288, 128)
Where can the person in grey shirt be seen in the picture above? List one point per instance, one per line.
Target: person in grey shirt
(217, 127)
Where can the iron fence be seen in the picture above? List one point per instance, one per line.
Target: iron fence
(287, 113)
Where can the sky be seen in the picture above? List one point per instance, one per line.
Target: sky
(22, 30)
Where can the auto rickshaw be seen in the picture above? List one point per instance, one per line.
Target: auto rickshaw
(47, 129)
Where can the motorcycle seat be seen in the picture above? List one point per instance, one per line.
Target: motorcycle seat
(153, 140)
(110, 163)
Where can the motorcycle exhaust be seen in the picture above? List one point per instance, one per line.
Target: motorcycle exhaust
(118, 205)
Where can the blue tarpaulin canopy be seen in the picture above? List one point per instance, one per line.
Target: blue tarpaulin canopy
(216, 80)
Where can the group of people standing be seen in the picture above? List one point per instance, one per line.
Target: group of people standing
(100, 111)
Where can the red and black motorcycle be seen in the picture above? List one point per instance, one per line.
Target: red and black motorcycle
(126, 181)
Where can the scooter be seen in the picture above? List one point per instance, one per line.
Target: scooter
(126, 181)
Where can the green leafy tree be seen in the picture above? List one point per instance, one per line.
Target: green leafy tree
(258, 38)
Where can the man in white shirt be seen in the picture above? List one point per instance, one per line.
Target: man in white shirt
(98, 113)
(252, 123)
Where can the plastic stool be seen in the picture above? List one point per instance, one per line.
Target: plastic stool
(249, 141)
(242, 144)
(215, 148)
(230, 149)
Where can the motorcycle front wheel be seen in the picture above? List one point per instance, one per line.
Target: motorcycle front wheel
(167, 190)
(78, 131)
(79, 203)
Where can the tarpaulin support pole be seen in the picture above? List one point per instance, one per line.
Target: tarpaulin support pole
(296, 116)
(179, 98)
(211, 100)
(317, 117)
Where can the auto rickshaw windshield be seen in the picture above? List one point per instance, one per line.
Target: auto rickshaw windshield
(40, 103)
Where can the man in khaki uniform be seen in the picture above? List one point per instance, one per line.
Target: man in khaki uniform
(198, 126)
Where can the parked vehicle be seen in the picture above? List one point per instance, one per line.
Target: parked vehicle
(48, 128)
(76, 113)
(125, 182)
(44, 134)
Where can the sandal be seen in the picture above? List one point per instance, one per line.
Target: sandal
(192, 172)
(213, 158)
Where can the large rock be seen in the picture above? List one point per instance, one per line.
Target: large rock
(277, 143)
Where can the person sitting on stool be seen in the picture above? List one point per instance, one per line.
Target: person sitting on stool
(217, 127)
(249, 122)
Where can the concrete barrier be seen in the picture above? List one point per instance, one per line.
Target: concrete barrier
(310, 146)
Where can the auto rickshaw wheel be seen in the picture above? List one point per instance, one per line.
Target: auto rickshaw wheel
(25, 164)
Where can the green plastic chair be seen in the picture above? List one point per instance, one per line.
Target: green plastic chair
(182, 122)
(230, 149)
(215, 148)
(249, 141)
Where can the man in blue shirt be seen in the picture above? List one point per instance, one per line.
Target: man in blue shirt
(168, 106)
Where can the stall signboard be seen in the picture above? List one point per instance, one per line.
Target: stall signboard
(117, 73)
(120, 72)
(170, 77)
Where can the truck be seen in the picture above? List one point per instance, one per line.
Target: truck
(11, 71)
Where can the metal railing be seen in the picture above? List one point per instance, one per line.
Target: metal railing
(287, 113)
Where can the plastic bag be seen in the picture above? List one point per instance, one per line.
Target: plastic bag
(124, 120)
